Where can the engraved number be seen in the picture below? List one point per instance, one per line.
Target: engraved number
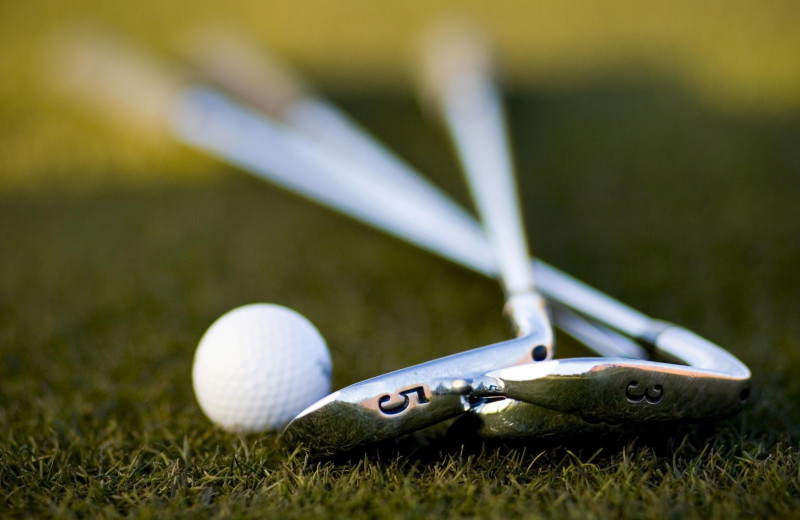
(396, 408)
(650, 394)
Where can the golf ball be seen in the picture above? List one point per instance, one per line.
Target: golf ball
(258, 366)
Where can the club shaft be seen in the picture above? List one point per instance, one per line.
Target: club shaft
(244, 68)
(472, 112)
(139, 90)
(215, 124)
(251, 73)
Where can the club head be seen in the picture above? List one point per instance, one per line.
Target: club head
(406, 400)
(712, 384)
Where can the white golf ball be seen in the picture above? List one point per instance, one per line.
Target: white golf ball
(258, 366)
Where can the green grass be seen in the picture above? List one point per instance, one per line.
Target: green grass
(682, 211)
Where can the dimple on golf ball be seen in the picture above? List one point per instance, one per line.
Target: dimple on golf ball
(258, 366)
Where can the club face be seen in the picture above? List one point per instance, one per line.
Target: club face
(400, 402)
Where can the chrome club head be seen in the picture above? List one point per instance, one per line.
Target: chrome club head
(401, 402)
(712, 384)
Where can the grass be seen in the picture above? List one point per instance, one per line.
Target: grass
(685, 212)
(657, 146)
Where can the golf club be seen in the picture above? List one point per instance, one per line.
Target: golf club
(665, 340)
(592, 330)
(471, 110)
(458, 81)
(237, 135)
(457, 84)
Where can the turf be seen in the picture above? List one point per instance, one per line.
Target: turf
(683, 211)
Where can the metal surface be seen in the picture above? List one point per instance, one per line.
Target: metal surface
(616, 390)
(605, 393)
(461, 90)
(471, 109)
(400, 402)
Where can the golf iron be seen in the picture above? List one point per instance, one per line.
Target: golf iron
(713, 385)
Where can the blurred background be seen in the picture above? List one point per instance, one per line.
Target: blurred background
(733, 57)
(658, 150)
